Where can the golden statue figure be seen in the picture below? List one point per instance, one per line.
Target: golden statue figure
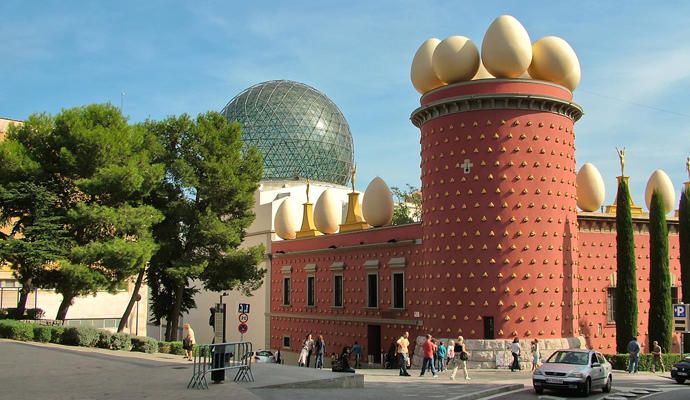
(687, 166)
(621, 156)
(353, 172)
(307, 190)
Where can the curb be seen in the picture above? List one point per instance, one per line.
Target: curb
(489, 392)
(350, 381)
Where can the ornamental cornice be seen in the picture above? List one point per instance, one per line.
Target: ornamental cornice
(497, 101)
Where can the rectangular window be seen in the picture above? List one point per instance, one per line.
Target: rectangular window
(674, 295)
(286, 341)
(372, 290)
(398, 290)
(286, 291)
(611, 305)
(311, 291)
(338, 291)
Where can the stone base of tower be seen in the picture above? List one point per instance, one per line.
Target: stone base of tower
(495, 353)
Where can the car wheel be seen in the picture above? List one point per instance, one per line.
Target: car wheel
(607, 387)
(586, 388)
(539, 390)
(680, 380)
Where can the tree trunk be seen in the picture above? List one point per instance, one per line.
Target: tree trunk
(64, 306)
(174, 317)
(23, 298)
(134, 298)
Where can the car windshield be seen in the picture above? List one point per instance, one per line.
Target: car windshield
(569, 357)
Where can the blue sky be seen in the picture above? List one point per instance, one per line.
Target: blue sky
(173, 57)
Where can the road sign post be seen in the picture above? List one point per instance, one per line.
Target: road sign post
(681, 323)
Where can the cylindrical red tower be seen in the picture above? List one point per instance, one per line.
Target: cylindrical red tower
(499, 208)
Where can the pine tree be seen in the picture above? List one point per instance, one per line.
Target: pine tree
(626, 289)
(684, 239)
(660, 318)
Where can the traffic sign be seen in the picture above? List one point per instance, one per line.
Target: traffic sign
(681, 317)
(243, 318)
(243, 328)
(679, 311)
(243, 308)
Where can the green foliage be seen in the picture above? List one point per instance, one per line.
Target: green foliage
(42, 333)
(121, 341)
(56, 333)
(164, 347)
(207, 199)
(176, 348)
(35, 313)
(660, 317)
(80, 336)
(104, 339)
(684, 239)
(16, 330)
(408, 205)
(620, 361)
(144, 344)
(626, 290)
(201, 351)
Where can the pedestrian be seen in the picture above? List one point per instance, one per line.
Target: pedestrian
(656, 355)
(450, 352)
(402, 348)
(188, 341)
(536, 355)
(441, 356)
(309, 342)
(357, 351)
(428, 348)
(302, 360)
(320, 350)
(633, 356)
(460, 358)
(278, 359)
(515, 351)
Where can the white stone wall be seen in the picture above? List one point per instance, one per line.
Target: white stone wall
(491, 354)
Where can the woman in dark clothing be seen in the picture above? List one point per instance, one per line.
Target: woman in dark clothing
(320, 347)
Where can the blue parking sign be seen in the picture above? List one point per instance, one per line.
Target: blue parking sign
(679, 311)
(243, 308)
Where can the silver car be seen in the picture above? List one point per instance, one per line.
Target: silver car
(582, 370)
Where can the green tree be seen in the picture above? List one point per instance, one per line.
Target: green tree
(98, 167)
(207, 198)
(408, 205)
(626, 289)
(660, 318)
(684, 239)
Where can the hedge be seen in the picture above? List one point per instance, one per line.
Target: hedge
(144, 344)
(104, 339)
(42, 333)
(164, 347)
(620, 361)
(84, 336)
(121, 341)
(56, 334)
(11, 329)
(176, 348)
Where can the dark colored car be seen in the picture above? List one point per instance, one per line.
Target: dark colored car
(681, 370)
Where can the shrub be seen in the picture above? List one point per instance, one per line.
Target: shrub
(620, 361)
(200, 351)
(80, 336)
(9, 313)
(35, 313)
(56, 334)
(16, 330)
(164, 347)
(144, 344)
(176, 348)
(42, 333)
(121, 341)
(104, 339)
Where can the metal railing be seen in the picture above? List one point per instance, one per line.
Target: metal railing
(219, 358)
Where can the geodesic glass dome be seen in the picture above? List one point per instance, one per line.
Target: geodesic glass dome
(300, 132)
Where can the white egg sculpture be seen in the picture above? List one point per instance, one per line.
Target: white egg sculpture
(327, 212)
(377, 204)
(661, 183)
(482, 73)
(554, 60)
(422, 73)
(506, 48)
(287, 219)
(590, 188)
(455, 59)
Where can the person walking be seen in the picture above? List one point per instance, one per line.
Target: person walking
(428, 348)
(515, 351)
(402, 347)
(656, 355)
(450, 354)
(309, 344)
(357, 351)
(536, 355)
(320, 350)
(188, 342)
(441, 357)
(302, 360)
(460, 358)
(633, 356)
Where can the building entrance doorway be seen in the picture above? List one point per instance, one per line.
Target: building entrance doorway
(374, 342)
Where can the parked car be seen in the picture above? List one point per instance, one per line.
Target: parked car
(578, 369)
(264, 356)
(681, 370)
